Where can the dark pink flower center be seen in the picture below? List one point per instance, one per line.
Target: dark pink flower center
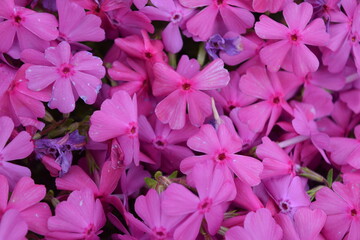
(353, 212)
(160, 233)
(17, 19)
(276, 100)
(294, 37)
(159, 143)
(148, 55)
(176, 17)
(186, 86)
(66, 70)
(219, 2)
(285, 206)
(90, 230)
(205, 205)
(221, 156)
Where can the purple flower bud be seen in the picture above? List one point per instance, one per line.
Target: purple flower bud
(216, 43)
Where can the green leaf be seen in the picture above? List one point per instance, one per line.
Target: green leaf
(173, 175)
(330, 177)
(151, 183)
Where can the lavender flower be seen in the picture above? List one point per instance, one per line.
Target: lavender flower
(60, 149)
(216, 43)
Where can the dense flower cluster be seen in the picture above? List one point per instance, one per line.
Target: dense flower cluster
(180, 119)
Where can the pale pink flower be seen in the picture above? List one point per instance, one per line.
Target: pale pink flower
(70, 75)
(24, 28)
(79, 217)
(291, 40)
(185, 93)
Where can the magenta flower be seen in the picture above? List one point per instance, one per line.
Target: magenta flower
(12, 226)
(288, 192)
(157, 224)
(307, 224)
(118, 119)
(341, 206)
(172, 12)
(272, 6)
(257, 225)
(185, 93)
(81, 72)
(291, 45)
(218, 17)
(214, 190)
(273, 90)
(25, 199)
(11, 151)
(77, 26)
(220, 147)
(24, 28)
(163, 145)
(23, 105)
(80, 217)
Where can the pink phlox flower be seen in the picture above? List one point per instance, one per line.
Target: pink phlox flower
(275, 160)
(184, 92)
(230, 97)
(218, 16)
(306, 225)
(12, 226)
(25, 198)
(23, 28)
(248, 49)
(70, 75)
(79, 217)
(164, 145)
(257, 225)
(341, 205)
(170, 11)
(273, 90)
(290, 44)
(157, 224)
(344, 37)
(346, 150)
(288, 192)
(304, 124)
(23, 105)
(331, 81)
(272, 6)
(118, 119)
(220, 147)
(11, 151)
(325, 9)
(215, 191)
(77, 26)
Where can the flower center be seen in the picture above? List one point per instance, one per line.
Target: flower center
(186, 86)
(148, 55)
(353, 212)
(66, 70)
(159, 143)
(294, 37)
(285, 206)
(221, 156)
(276, 100)
(160, 233)
(205, 205)
(17, 19)
(219, 2)
(176, 17)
